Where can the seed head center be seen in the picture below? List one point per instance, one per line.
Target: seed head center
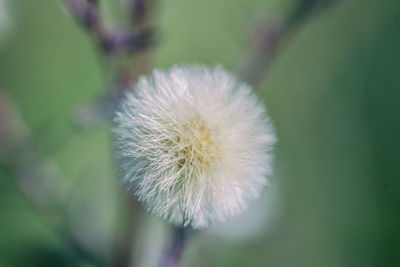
(197, 145)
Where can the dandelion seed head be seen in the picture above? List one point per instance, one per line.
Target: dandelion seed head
(193, 144)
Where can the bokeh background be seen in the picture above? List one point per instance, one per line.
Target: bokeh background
(333, 92)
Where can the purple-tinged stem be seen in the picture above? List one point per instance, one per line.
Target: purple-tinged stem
(174, 252)
(111, 42)
(268, 41)
(37, 177)
(139, 10)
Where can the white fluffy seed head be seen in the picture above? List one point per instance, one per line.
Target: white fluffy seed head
(193, 144)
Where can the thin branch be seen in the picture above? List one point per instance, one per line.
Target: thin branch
(124, 51)
(87, 13)
(37, 177)
(139, 10)
(272, 37)
(127, 74)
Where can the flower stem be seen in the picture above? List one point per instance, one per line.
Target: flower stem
(174, 252)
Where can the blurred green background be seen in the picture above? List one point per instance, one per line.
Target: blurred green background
(333, 94)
